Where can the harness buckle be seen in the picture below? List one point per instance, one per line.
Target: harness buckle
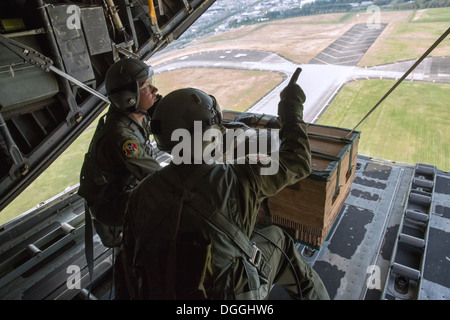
(256, 256)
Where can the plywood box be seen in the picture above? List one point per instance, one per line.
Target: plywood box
(308, 208)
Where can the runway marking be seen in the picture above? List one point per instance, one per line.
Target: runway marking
(352, 55)
(356, 44)
(340, 57)
(337, 45)
(353, 43)
(351, 33)
(328, 55)
(347, 52)
(353, 62)
(347, 42)
(350, 50)
(334, 50)
(321, 60)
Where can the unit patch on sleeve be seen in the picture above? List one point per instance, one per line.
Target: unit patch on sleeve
(131, 148)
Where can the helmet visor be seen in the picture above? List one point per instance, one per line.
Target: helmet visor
(150, 81)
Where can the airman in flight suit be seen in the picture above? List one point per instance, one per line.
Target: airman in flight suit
(120, 154)
(189, 227)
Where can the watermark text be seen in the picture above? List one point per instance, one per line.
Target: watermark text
(241, 146)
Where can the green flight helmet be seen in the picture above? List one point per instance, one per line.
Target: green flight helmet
(122, 83)
(178, 110)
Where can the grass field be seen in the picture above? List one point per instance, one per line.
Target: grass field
(62, 173)
(234, 89)
(432, 15)
(412, 125)
(409, 37)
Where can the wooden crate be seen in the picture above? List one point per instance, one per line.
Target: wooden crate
(308, 208)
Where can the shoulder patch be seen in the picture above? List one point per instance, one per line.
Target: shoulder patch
(131, 148)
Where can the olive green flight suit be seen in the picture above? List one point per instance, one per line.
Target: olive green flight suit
(236, 192)
(120, 155)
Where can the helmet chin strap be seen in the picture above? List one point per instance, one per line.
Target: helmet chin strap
(137, 111)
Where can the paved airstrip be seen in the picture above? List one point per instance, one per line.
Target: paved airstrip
(350, 47)
(323, 76)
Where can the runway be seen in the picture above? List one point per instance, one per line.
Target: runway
(320, 82)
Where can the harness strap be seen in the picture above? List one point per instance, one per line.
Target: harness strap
(193, 179)
(217, 219)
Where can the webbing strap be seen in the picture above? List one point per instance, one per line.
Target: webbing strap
(210, 213)
(234, 233)
(350, 158)
(338, 176)
(89, 245)
(171, 176)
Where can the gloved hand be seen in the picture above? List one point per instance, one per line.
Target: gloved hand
(293, 90)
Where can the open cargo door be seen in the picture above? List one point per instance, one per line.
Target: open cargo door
(43, 112)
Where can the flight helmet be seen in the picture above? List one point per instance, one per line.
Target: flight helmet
(122, 83)
(179, 110)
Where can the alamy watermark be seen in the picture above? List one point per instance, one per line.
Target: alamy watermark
(374, 20)
(74, 19)
(74, 279)
(374, 279)
(208, 147)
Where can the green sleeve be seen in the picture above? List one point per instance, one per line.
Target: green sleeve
(136, 156)
(293, 161)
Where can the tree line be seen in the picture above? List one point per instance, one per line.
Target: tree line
(333, 6)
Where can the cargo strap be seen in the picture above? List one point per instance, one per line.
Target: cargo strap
(338, 177)
(217, 219)
(338, 173)
(344, 140)
(337, 159)
(350, 165)
(89, 245)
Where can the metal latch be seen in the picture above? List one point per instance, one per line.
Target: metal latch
(256, 256)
